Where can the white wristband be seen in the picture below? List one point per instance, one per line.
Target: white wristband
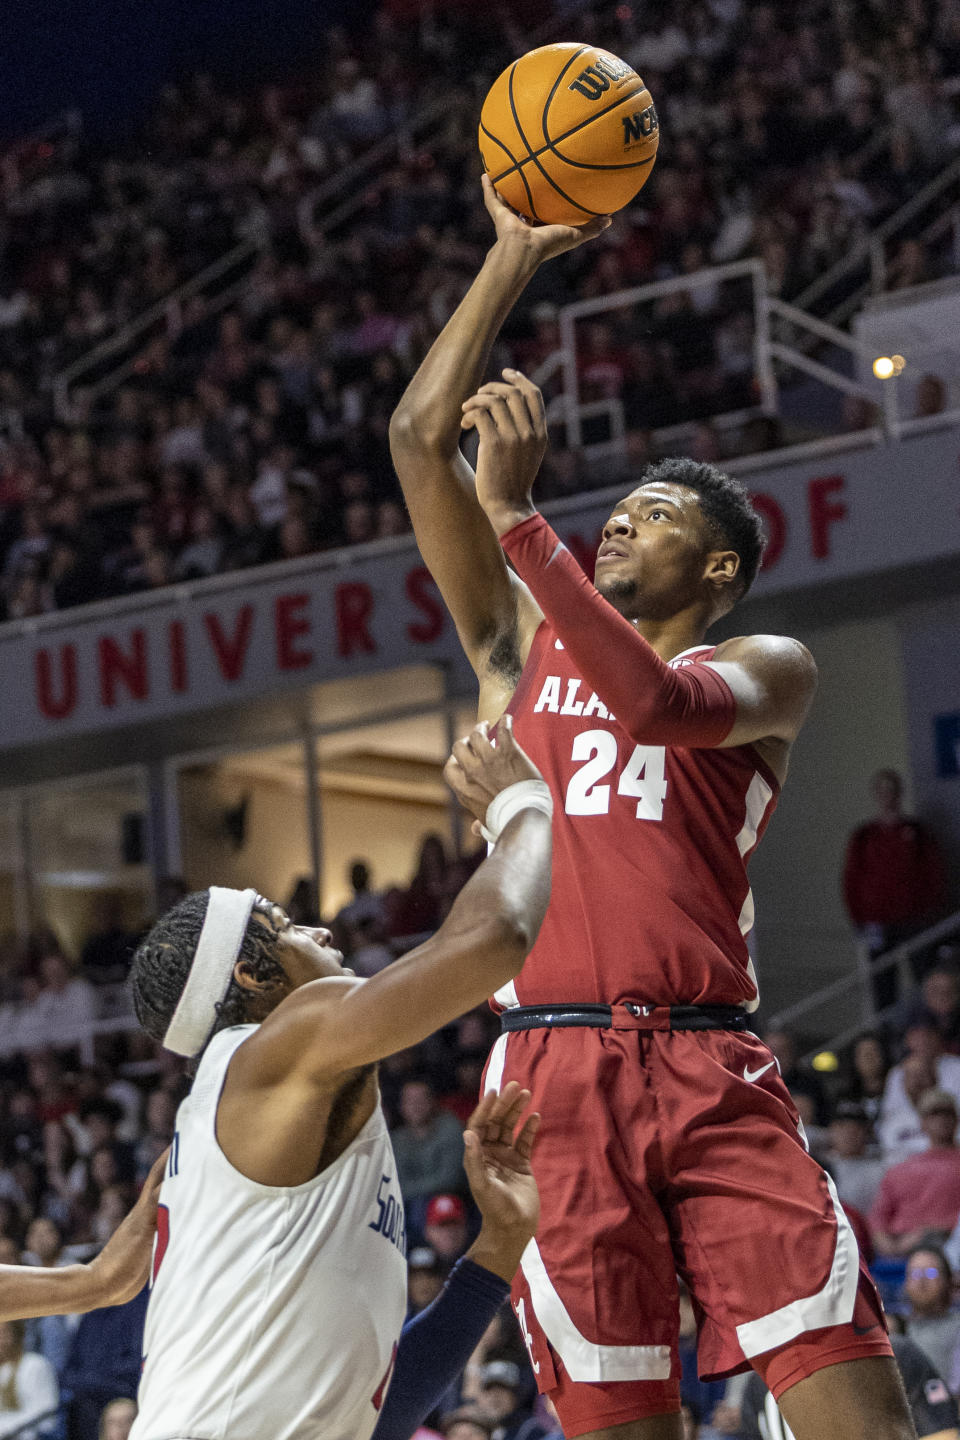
(524, 795)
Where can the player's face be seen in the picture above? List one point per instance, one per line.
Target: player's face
(304, 951)
(650, 563)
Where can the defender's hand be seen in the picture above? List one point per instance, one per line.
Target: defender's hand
(477, 771)
(497, 1161)
(542, 241)
(510, 418)
(123, 1265)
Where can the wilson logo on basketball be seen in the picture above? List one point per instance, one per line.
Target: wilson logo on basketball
(592, 82)
(639, 126)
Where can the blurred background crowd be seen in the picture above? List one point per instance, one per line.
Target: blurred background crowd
(256, 430)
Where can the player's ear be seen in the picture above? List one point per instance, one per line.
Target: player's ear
(244, 976)
(722, 572)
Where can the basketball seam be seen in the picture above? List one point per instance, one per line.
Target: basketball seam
(533, 154)
(585, 165)
(553, 90)
(517, 166)
(549, 179)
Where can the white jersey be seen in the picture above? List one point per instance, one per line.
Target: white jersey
(274, 1312)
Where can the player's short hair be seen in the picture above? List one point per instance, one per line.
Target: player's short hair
(725, 504)
(162, 963)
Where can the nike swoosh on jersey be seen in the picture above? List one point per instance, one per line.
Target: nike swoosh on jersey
(751, 1075)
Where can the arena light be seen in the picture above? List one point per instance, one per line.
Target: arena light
(883, 367)
(898, 363)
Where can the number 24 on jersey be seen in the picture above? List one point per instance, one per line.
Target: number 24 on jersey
(642, 778)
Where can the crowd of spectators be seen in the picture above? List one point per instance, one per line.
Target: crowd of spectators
(260, 433)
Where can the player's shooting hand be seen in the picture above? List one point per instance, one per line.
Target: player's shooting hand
(510, 419)
(477, 770)
(497, 1150)
(123, 1265)
(542, 242)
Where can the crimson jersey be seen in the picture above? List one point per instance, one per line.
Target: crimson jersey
(650, 898)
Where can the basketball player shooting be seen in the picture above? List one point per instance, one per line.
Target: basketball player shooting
(669, 1142)
(280, 1278)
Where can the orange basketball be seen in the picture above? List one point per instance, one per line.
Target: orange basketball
(568, 132)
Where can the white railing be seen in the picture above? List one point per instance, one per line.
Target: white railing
(867, 257)
(857, 985)
(771, 357)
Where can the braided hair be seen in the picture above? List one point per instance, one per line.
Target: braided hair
(162, 963)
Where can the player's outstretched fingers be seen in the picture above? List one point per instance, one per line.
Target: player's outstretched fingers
(533, 396)
(487, 1119)
(468, 751)
(497, 407)
(513, 1108)
(477, 1124)
(524, 1141)
(505, 1113)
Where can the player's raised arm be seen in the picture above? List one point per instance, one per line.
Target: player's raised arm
(338, 1024)
(756, 688)
(455, 539)
(113, 1277)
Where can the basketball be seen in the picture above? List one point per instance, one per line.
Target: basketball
(568, 132)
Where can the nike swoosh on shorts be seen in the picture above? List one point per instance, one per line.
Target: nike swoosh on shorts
(751, 1075)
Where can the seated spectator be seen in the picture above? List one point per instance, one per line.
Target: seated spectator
(920, 1197)
(54, 1098)
(28, 1387)
(704, 1394)
(367, 947)
(933, 1409)
(938, 1005)
(930, 1322)
(689, 1420)
(425, 1277)
(428, 1145)
(856, 1171)
(866, 1072)
(468, 1072)
(117, 1420)
(445, 1227)
(363, 905)
(104, 1363)
(798, 1079)
(63, 1011)
(417, 909)
(899, 1131)
(502, 1400)
(302, 904)
(468, 1422)
(50, 1335)
(161, 1116)
(105, 957)
(99, 1119)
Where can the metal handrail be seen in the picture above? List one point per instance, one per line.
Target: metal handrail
(861, 978)
(580, 309)
(860, 254)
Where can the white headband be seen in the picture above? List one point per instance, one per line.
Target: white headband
(211, 970)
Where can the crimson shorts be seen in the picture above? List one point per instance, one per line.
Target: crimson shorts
(675, 1152)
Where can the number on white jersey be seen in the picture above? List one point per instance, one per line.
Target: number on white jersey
(643, 776)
